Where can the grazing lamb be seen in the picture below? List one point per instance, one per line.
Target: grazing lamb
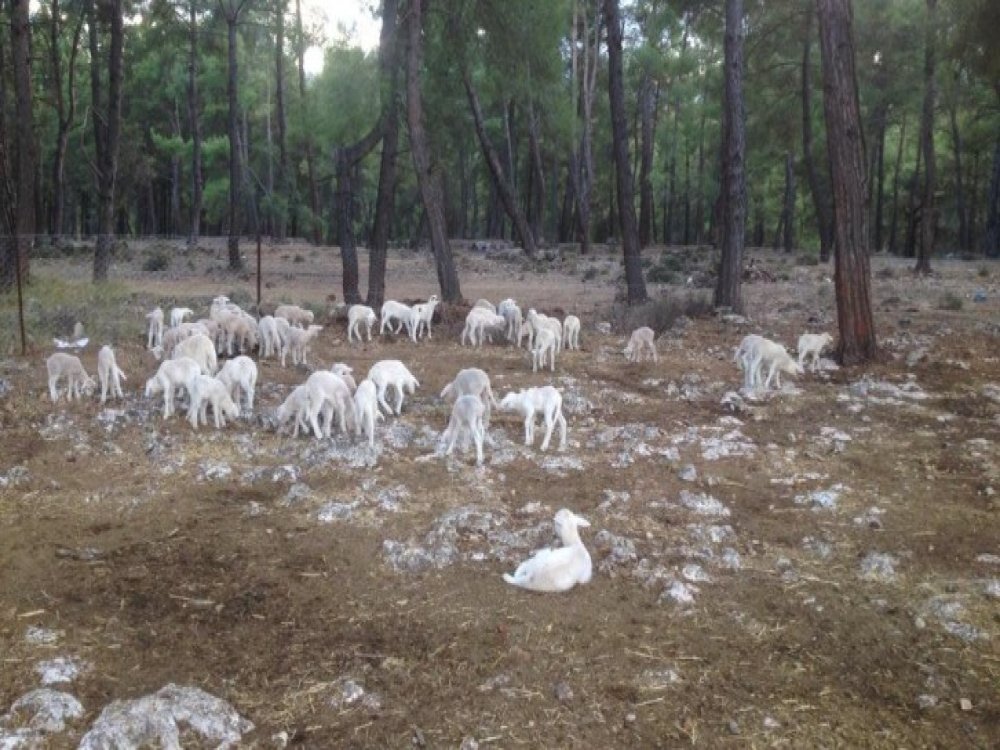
(298, 343)
(241, 330)
(270, 341)
(394, 312)
(512, 314)
(539, 321)
(392, 372)
(207, 390)
(173, 336)
(545, 343)
(571, 332)
(346, 373)
(109, 374)
(155, 336)
(295, 405)
(640, 340)
(814, 344)
(177, 315)
(546, 400)
(466, 419)
(329, 394)
(476, 324)
(558, 569)
(173, 374)
(774, 356)
(295, 315)
(356, 315)
(78, 382)
(472, 382)
(201, 349)
(366, 409)
(240, 374)
(523, 331)
(422, 316)
(743, 356)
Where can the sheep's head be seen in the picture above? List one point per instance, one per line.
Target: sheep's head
(510, 402)
(827, 339)
(229, 408)
(308, 316)
(566, 524)
(153, 387)
(432, 300)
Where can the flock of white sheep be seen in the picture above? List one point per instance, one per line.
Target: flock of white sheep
(190, 354)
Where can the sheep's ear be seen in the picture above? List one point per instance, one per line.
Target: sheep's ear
(581, 521)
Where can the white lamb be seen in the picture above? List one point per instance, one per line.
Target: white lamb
(329, 395)
(205, 391)
(78, 382)
(284, 331)
(346, 373)
(109, 374)
(295, 405)
(270, 341)
(366, 410)
(173, 336)
(546, 400)
(241, 332)
(561, 568)
(394, 312)
(295, 315)
(642, 339)
(240, 375)
(423, 316)
(743, 356)
(814, 344)
(155, 336)
(571, 332)
(201, 349)
(485, 304)
(466, 419)
(392, 372)
(298, 343)
(767, 353)
(356, 315)
(539, 321)
(472, 382)
(546, 343)
(173, 374)
(477, 322)
(177, 315)
(512, 314)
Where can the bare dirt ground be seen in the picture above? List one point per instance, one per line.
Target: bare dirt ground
(817, 568)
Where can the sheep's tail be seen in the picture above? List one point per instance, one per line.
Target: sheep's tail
(446, 390)
(120, 373)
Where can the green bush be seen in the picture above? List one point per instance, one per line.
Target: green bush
(951, 301)
(158, 261)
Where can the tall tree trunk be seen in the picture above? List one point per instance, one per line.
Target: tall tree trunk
(687, 194)
(636, 292)
(647, 110)
(17, 257)
(929, 221)
(733, 188)
(65, 112)
(107, 162)
(385, 199)
(699, 209)
(346, 160)
(280, 206)
(991, 234)
(8, 195)
(821, 207)
(894, 220)
(428, 176)
(175, 175)
(313, 186)
(538, 175)
(880, 188)
(583, 175)
(231, 11)
(194, 123)
(788, 212)
(964, 240)
(914, 210)
(505, 189)
(847, 166)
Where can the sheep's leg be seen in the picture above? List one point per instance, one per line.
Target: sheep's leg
(477, 437)
(452, 433)
(399, 399)
(552, 360)
(53, 389)
(529, 428)
(549, 424)
(562, 429)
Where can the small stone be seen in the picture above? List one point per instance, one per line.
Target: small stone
(688, 474)
(630, 718)
(926, 702)
(734, 727)
(469, 744)
(418, 738)
(770, 723)
(563, 692)
(965, 704)
(920, 623)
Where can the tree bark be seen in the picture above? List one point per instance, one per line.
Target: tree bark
(880, 188)
(65, 112)
(893, 222)
(583, 174)
(964, 240)
(231, 12)
(346, 160)
(991, 234)
(505, 189)
(316, 229)
(788, 213)
(636, 292)
(538, 176)
(928, 212)
(845, 145)
(913, 209)
(194, 124)
(280, 207)
(647, 109)
(8, 195)
(699, 207)
(428, 176)
(821, 207)
(111, 119)
(733, 188)
(385, 199)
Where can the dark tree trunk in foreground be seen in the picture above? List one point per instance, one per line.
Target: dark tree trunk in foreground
(8, 198)
(788, 212)
(511, 204)
(108, 122)
(346, 160)
(316, 219)
(65, 111)
(894, 219)
(280, 208)
(847, 166)
(733, 187)
(428, 176)
(821, 207)
(385, 198)
(929, 218)
(623, 168)
(231, 11)
(194, 123)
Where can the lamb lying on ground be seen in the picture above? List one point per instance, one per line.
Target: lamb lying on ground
(207, 390)
(298, 342)
(394, 312)
(767, 353)
(472, 382)
(356, 315)
(392, 372)
(546, 400)
(295, 315)
(571, 332)
(814, 344)
(466, 419)
(545, 344)
(109, 374)
(642, 339)
(558, 569)
(366, 410)
(329, 395)
(78, 382)
(155, 336)
(173, 374)
(240, 375)
(177, 315)
(201, 349)
(295, 405)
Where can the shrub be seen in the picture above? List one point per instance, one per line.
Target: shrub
(158, 261)
(950, 301)
(590, 273)
(885, 273)
(984, 272)
(807, 259)
(661, 314)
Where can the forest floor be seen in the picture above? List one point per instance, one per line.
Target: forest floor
(819, 567)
